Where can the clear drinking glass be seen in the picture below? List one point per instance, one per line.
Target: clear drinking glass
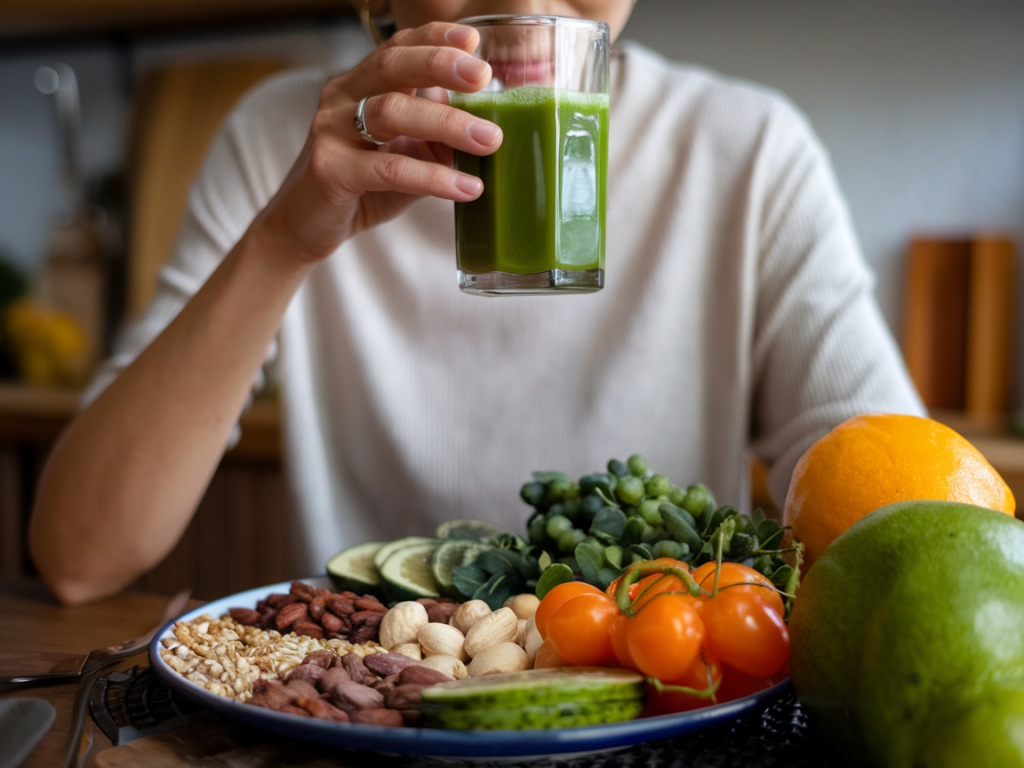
(539, 226)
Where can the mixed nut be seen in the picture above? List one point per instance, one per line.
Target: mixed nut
(347, 657)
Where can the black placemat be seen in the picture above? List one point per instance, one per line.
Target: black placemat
(777, 737)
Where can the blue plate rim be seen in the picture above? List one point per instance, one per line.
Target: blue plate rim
(433, 741)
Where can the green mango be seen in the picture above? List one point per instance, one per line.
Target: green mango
(907, 638)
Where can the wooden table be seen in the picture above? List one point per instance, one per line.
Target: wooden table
(31, 620)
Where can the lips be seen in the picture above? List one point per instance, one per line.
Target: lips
(517, 73)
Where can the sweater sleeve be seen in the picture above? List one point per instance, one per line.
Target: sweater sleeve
(821, 350)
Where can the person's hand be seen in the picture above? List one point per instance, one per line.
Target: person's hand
(342, 184)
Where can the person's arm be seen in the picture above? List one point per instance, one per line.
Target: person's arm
(822, 352)
(125, 478)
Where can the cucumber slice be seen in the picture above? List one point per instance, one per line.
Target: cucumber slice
(568, 715)
(537, 687)
(469, 530)
(353, 568)
(407, 574)
(391, 547)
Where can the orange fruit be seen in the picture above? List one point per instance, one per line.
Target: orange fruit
(870, 461)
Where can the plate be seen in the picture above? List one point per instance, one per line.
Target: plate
(436, 742)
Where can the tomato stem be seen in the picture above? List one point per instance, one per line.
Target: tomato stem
(718, 559)
(646, 568)
(700, 693)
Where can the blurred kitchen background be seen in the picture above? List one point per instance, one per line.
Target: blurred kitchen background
(106, 108)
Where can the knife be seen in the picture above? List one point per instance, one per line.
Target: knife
(97, 661)
(23, 723)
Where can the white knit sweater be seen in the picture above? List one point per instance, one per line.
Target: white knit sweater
(737, 317)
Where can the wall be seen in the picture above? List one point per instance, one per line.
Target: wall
(31, 192)
(920, 102)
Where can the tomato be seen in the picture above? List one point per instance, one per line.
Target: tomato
(745, 632)
(664, 582)
(556, 597)
(620, 643)
(664, 638)
(637, 586)
(579, 629)
(704, 673)
(735, 573)
(547, 657)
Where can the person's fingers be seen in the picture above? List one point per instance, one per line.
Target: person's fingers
(398, 114)
(389, 172)
(401, 68)
(437, 33)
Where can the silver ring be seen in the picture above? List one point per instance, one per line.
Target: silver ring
(360, 121)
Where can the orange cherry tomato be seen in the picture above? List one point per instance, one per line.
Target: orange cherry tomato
(553, 599)
(548, 657)
(664, 638)
(736, 573)
(664, 582)
(745, 632)
(638, 586)
(704, 673)
(579, 629)
(620, 643)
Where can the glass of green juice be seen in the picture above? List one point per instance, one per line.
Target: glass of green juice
(539, 226)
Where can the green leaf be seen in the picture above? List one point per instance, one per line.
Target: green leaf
(781, 577)
(468, 579)
(556, 574)
(639, 552)
(496, 591)
(590, 558)
(633, 530)
(608, 500)
(769, 535)
(610, 522)
(495, 561)
(613, 555)
(740, 547)
(606, 576)
(547, 477)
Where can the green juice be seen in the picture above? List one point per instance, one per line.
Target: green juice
(543, 205)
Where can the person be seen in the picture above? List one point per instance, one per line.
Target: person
(737, 315)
